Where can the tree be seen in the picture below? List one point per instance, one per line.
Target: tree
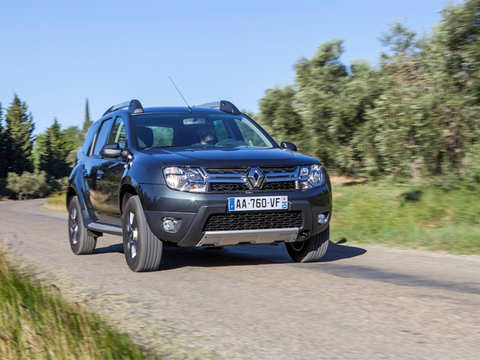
(73, 141)
(279, 116)
(87, 122)
(357, 96)
(319, 81)
(3, 150)
(19, 129)
(51, 152)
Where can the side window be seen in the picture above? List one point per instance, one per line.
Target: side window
(87, 143)
(156, 136)
(102, 135)
(118, 135)
(250, 136)
(220, 130)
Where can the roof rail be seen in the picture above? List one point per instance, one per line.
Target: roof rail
(134, 107)
(222, 105)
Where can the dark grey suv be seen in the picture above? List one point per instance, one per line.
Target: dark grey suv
(207, 176)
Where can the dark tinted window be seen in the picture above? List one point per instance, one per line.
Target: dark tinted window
(118, 135)
(102, 135)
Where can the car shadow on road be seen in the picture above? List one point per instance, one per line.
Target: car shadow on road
(115, 248)
(174, 258)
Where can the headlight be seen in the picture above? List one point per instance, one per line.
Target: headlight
(185, 179)
(311, 176)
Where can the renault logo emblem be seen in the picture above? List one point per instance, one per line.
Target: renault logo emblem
(255, 178)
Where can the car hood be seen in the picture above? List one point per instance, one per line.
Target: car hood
(227, 157)
(147, 165)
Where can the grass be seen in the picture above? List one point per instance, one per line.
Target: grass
(408, 216)
(56, 202)
(36, 323)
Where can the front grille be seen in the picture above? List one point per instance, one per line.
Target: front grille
(243, 170)
(254, 220)
(228, 187)
(284, 169)
(242, 187)
(279, 185)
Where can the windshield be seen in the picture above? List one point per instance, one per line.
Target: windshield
(203, 130)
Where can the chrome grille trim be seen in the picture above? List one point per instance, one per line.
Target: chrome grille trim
(239, 175)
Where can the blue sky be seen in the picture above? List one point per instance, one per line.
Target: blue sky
(54, 54)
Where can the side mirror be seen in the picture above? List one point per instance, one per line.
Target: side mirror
(288, 145)
(111, 151)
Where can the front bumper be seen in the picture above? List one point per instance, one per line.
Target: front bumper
(194, 209)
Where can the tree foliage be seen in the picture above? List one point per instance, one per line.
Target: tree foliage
(19, 132)
(3, 147)
(50, 157)
(51, 151)
(277, 113)
(416, 115)
(87, 121)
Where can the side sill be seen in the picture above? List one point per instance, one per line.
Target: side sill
(104, 228)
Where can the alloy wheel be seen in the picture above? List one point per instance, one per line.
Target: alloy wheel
(132, 235)
(73, 226)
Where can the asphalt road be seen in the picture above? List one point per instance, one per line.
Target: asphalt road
(252, 302)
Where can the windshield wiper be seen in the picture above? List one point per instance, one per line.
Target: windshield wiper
(157, 147)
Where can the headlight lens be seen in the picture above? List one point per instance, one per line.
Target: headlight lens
(185, 179)
(311, 176)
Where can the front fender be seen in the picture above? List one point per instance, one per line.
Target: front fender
(80, 189)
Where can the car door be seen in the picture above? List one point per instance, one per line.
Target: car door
(94, 172)
(109, 175)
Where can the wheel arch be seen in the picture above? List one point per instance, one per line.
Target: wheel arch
(125, 191)
(70, 194)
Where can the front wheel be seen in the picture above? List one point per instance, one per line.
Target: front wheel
(142, 249)
(312, 249)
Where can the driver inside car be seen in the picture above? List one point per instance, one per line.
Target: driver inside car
(207, 136)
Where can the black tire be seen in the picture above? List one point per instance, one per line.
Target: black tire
(142, 249)
(81, 240)
(312, 249)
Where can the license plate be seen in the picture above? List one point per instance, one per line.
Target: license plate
(258, 203)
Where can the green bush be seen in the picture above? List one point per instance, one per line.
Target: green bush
(58, 185)
(28, 185)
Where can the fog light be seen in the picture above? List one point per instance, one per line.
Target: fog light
(171, 225)
(322, 218)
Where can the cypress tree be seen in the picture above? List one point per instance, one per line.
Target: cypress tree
(87, 122)
(19, 131)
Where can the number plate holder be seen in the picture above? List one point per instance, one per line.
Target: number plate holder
(257, 203)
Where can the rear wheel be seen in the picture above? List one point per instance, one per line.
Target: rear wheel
(81, 240)
(143, 250)
(312, 249)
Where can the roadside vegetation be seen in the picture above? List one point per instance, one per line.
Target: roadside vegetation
(37, 323)
(56, 202)
(420, 216)
(414, 116)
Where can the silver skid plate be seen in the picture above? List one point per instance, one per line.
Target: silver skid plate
(262, 236)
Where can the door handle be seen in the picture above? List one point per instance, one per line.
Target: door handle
(99, 174)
